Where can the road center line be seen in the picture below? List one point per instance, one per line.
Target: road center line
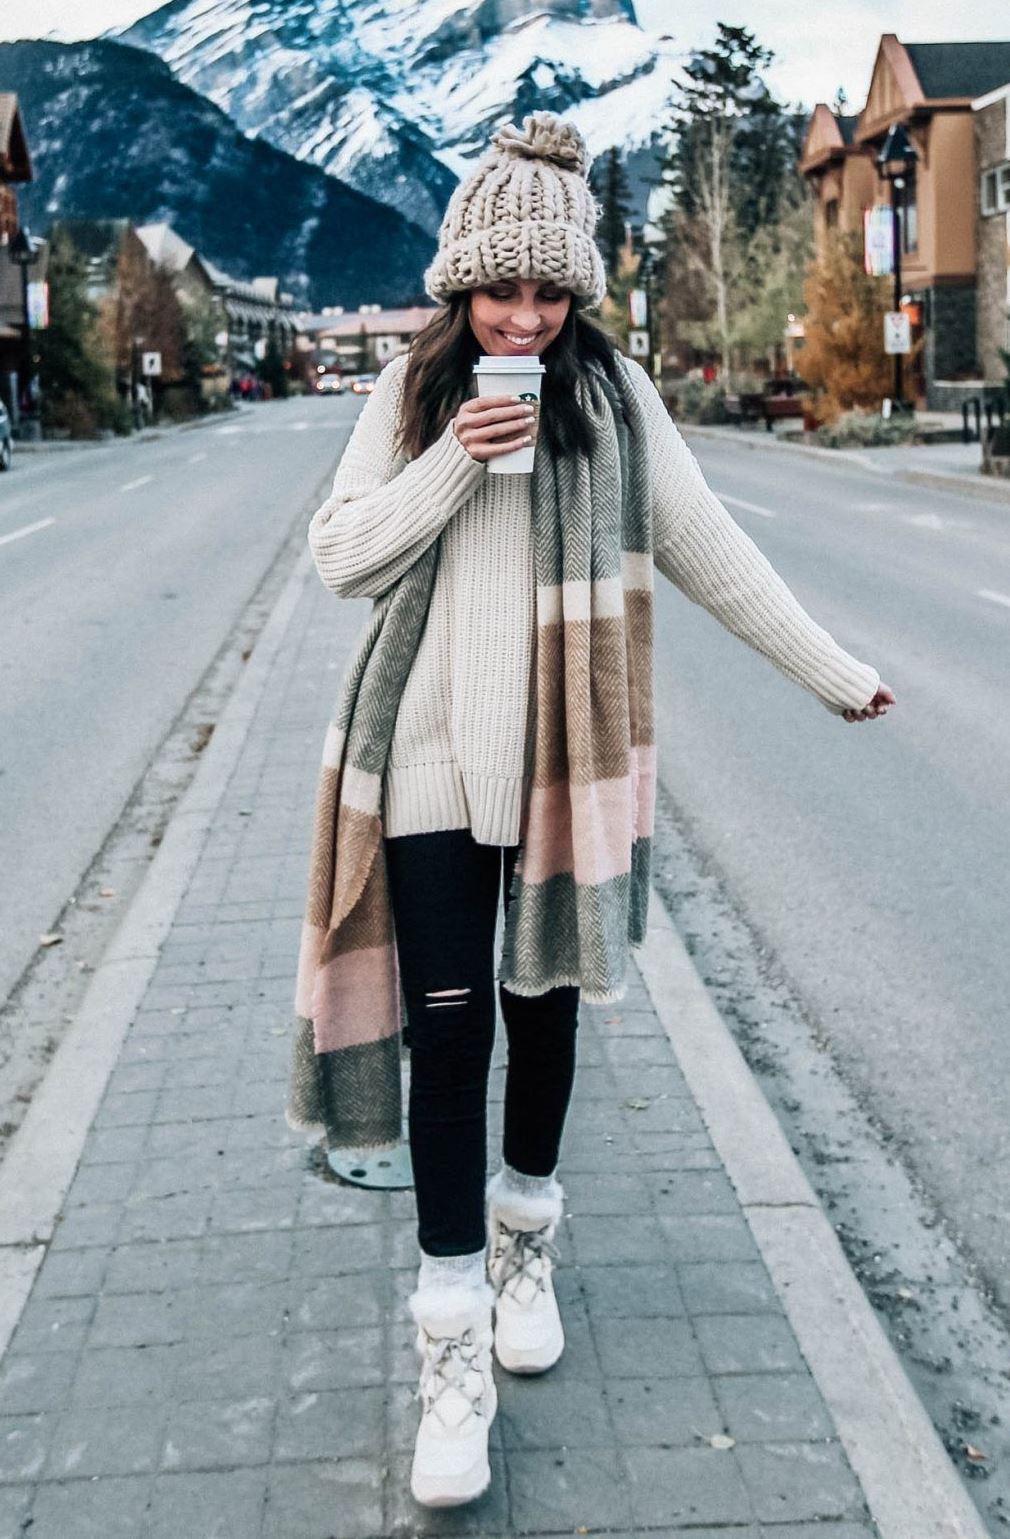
(748, 507)
(195, 459)
(131, 486)
(997, 598)
(17, 534)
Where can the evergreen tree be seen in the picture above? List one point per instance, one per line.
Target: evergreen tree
(729, 169)
(271, 369)
(75, 379)
(609, 183)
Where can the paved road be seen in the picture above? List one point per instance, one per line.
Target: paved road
(134, 564)
(871, 857)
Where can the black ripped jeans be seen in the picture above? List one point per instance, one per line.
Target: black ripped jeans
(444, 889)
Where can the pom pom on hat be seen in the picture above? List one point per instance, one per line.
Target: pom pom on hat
(546, 137)
(526, 211)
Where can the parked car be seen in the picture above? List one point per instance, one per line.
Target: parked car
(363, 384)
(328, 384)
(6, 439)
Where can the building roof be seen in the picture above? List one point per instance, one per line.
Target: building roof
(959, 69)
(165, 247)
(15, 161)
(828, 140)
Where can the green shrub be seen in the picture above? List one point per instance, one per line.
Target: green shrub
(865, 430)
(693, 401)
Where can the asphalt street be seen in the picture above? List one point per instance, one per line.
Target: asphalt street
(123, 570)
(870, 857)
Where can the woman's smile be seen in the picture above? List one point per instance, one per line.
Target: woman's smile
(518, 317)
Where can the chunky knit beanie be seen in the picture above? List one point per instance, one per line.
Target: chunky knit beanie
(526, 211)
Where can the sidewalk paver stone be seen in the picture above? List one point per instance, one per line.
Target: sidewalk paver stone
(112, 1508)
(219, 1434)
(653, 1412)
(187, 1504)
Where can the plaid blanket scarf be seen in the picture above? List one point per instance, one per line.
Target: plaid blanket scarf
(581, 883)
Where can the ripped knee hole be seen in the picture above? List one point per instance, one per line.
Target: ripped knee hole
(440, 999)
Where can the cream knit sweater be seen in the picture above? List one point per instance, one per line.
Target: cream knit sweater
(462, 743)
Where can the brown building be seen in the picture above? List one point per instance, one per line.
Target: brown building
(251, 313)
(992, 141)
(930, 88)
(15, 168)
(364, 339)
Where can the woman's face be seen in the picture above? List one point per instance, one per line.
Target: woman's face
(516, 316)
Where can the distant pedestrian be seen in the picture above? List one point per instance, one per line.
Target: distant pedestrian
(497, 718)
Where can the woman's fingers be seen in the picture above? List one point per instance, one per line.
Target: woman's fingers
(487, 426)
(513, 443)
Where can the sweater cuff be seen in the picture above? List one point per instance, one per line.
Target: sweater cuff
(449, 468)
(844, 684)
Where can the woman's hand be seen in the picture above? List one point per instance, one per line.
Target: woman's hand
(873, 708)
(490, 425)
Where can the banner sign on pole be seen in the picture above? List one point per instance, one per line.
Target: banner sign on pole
(638, 308)
(878, 241)
(38, 305)
(150, 364)
(638, 344)
(897, 332)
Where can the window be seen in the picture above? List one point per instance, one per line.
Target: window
(995, 189)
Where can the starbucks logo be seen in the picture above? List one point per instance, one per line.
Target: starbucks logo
(528, 395)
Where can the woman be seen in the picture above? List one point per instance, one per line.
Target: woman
(496, 729)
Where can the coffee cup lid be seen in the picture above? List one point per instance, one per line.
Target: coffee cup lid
(489, 363)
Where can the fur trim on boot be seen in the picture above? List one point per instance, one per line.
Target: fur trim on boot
(519, 1209)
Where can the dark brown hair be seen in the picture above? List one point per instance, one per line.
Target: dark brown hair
(439, 376)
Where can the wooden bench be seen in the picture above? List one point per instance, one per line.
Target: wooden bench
(754, 406)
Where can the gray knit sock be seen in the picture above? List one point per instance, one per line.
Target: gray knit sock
(444, 1271)
(521, 1185)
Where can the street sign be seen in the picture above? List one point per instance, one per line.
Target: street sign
(150, 364)
(897, 332)
(638, 307)
(638, 344)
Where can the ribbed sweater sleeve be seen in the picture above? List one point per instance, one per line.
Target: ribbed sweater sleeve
(384, 512)
(706, 554)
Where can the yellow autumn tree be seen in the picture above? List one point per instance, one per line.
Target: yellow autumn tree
(843, 359)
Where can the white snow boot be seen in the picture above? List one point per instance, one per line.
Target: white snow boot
(457, 1393)
(528, 1334)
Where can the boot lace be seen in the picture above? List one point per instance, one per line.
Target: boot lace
(450, 1362)
(523, 1250)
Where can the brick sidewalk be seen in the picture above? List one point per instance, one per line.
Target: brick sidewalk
(217, 1347)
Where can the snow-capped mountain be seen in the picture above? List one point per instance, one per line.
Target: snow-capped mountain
(396, 97)
(115, 135)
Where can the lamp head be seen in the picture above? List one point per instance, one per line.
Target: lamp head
(898, 154)
(22, 248)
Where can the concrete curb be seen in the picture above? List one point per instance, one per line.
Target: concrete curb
(993, 490)
(145, 436)
(43, 1155)
(911, 1486)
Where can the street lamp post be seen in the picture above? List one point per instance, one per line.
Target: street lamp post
(23, 253)
(896, 163)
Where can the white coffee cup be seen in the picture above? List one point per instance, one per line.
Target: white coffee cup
(510, 375)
